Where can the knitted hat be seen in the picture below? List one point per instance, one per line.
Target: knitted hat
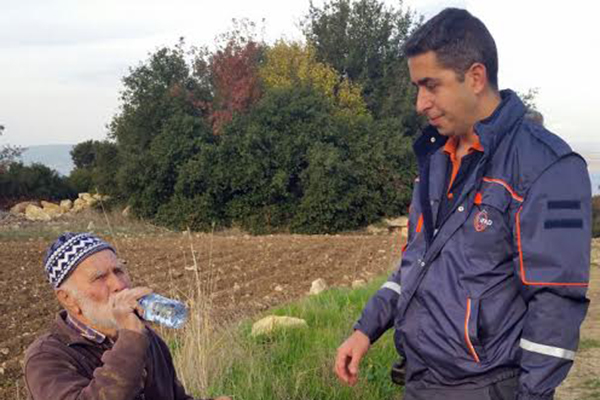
(68, 251)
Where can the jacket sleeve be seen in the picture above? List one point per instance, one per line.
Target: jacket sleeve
(379, 314)
(553, 240)
(50, 374)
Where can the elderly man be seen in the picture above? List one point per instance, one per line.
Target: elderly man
(98, 347)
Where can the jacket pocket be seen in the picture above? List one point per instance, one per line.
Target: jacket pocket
(471, 330)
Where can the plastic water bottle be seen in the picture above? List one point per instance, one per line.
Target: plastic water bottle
(167, 312)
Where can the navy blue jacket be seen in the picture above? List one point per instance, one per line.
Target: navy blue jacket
(500, 288)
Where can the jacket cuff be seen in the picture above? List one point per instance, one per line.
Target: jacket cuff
(372, 334)
(521, 395)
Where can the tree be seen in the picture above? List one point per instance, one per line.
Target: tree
(234, 70)
(363, 41)
(96, 164)
(289, 65)
(35, 181)
(8, 153)
(163, 111)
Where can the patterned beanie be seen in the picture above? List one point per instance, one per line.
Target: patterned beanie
(68, 251)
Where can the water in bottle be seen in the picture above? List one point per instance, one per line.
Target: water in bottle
(167, 312)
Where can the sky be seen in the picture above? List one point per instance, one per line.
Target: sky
(62, 61)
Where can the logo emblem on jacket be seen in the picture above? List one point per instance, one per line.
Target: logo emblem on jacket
(482, 221)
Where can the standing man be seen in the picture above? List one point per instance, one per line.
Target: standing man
(98, 347)
(491, 291)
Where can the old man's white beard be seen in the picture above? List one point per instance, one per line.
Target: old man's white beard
(98, 314)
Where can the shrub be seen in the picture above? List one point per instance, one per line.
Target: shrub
(596, 216)
(35, 181)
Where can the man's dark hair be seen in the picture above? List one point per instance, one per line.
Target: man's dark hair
(459, 40)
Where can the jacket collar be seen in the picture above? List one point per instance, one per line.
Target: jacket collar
(490, 130)
(68, 334)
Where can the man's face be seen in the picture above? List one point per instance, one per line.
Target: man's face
(91, 285)
(448, 103)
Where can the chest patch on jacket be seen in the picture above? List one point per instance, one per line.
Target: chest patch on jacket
(482, 221)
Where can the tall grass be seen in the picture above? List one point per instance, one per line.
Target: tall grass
(289, 364)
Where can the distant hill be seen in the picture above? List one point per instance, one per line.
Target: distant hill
(55, 156)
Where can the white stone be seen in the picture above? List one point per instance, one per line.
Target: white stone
(20, 208)
(271, 323)
(399, 222)
(358, 283)
(318, 286)
(34, 213)
(66, 205)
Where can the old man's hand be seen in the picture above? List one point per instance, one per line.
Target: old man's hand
(124, 306)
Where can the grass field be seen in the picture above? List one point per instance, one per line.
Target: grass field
(295, 364)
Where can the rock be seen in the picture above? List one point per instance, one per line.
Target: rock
(318, 286)
(400, 222)
(19, 208)
(91, 226)
(376, 230)
(236, 287)
(53, 210)
(88, 198)
(271, 323)
(79, 205)
(84, 196)
(5, 351)
(66, 205)
(358, 283)
(126, 212)
(34, 213)
(177, 274)
(278, 288)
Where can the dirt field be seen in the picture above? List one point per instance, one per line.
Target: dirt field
(249, 274)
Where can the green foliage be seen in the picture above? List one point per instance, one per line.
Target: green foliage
(292, 163)
(297, 364)
(96, 163)
(158, 128)
(596, 216)
(202, 143)
(33, 182)
(363, 41)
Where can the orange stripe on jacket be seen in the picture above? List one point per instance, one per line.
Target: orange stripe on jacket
(419, 224)
(467, 338)
(522, 264)
(506, 186)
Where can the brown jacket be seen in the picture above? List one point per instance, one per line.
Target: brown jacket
(63, 365)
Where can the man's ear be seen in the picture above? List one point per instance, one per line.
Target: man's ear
(477, 77)
(68, 301)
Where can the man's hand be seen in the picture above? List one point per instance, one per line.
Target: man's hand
(349, 355)
(124, 305)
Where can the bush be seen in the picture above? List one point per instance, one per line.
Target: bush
(36, 181)
(596, 216)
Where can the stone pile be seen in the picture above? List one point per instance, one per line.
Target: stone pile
(47, 211)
